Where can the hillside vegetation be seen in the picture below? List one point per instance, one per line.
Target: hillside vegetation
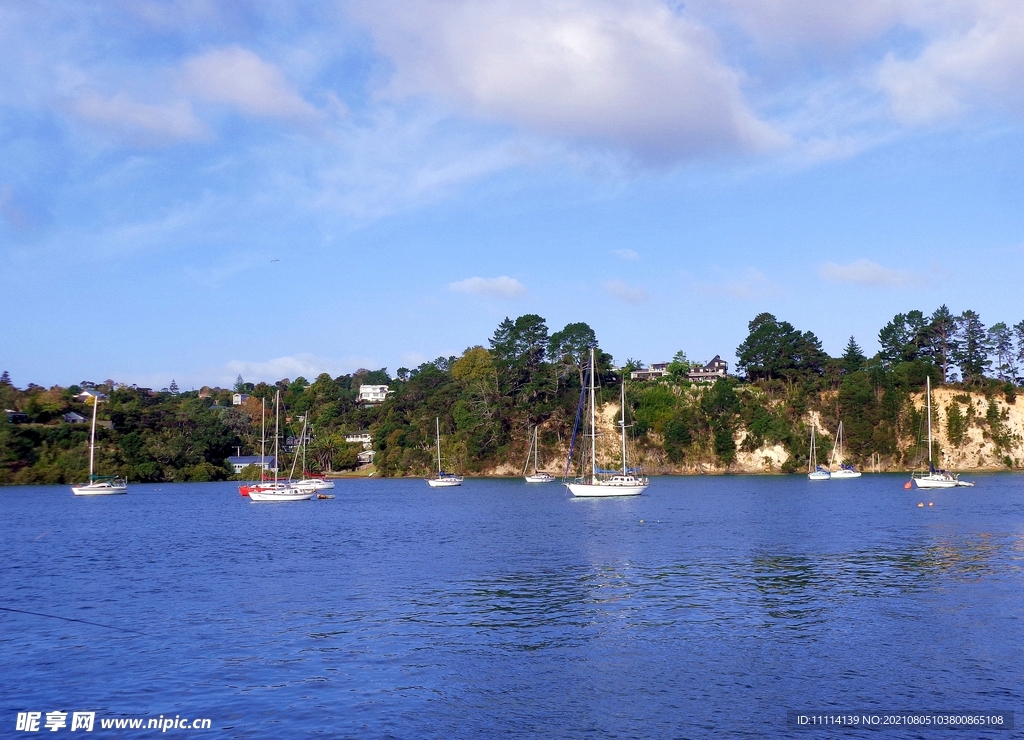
(489, 398)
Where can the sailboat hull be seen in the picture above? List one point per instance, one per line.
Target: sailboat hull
(603, 489)
(846, 474)
(539, 478)
(819, 475)
(285, 494)
(446, 482)
(100, 489)
(930, 481)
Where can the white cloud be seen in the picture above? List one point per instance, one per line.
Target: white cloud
(144, 122)
(793, 22)
(980, 66)
(238, 77)
(625, 292)
(499, 287)
(626, 254)
(864, 272)
(631, 73)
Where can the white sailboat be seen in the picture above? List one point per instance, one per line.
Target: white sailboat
(313, 484)
(278, 491)
(935, 478)
(815, 471)
(98, 485)
(844, 470)
(537, 476)
(604, 482)
(442, 479)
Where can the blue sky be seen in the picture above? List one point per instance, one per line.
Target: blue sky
(194, 189)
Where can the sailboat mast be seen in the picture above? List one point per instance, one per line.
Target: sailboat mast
(623, 424)
(593, 422)
(536, 449)
(92, 436)
(277, 419)
(928, 386)
(437, 426)
(263, 437)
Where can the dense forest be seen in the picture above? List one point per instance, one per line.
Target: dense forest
(489, 398)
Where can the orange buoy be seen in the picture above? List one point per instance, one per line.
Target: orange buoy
(920, 505)
(908, 484)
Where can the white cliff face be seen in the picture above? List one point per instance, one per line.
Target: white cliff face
(983, 446)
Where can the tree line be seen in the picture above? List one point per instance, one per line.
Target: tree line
(488, 399)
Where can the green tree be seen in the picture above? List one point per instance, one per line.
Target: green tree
(942, 332)
(1000, 339)
(905, 338)
(570, 347)
(1018, 334)
(679, 367)
(721, 406)
(519, 348)
(774, 349)
(956, 424)
(853, 358)
(972, 347)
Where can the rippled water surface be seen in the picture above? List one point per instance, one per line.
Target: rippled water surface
(705, 608)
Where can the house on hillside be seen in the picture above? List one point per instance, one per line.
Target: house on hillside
(360, 438)
(365, 457)
(239, 398)
(73, 417)
(372, 394)
(714, 370)
(656, 370)
(240, 462)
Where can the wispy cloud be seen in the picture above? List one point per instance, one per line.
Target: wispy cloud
(747, 285)
(499, 287)
(864, 272)
(625, 292)
(238, 77)
(626, 254)
(165, 123)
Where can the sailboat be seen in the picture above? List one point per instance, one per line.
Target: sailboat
(626, 482)
(844, 471)
(815, 471)
(442, 479)
(537, 476)
(98, 485)
(278, 491)
(935, 478)
(309, 482)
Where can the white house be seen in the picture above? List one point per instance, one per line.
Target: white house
(372, 393)
(363, 438)
(656, 370)
(239, 398)
(365, 457)
(239, 462)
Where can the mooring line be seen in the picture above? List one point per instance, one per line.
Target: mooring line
(71, 619)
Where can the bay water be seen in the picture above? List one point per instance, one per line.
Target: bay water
(707, 607)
